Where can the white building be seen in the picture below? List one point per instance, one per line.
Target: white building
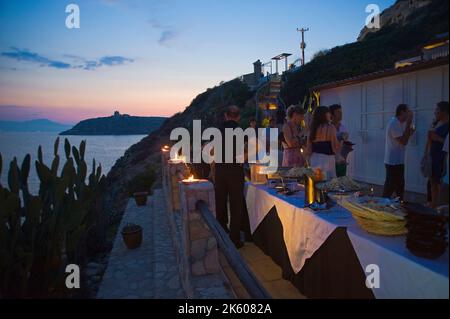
(369, 102)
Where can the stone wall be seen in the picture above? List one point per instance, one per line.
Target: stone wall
(198, 242)
(197, 250)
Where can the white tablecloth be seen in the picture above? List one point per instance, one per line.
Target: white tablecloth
(303, 233)
(402, 275)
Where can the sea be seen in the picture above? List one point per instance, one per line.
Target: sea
(105, 149)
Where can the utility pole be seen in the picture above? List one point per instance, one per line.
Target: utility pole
(303, 44)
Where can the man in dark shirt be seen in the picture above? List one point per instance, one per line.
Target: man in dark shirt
(229, 183)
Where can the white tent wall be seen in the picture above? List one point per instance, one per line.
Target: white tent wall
(368, 106)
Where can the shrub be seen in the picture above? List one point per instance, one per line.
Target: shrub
(143, 182)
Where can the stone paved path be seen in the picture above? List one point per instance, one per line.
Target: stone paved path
(150, 271)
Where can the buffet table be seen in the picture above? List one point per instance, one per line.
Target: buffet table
(326, 254)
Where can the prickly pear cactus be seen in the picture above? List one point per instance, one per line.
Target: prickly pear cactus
(40, 234)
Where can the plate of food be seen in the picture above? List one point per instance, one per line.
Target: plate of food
(340, 185)
(298, 172)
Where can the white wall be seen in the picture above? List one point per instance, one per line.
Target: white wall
(367, 108)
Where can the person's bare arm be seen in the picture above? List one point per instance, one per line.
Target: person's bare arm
(409, 131)
(336, 145)
(291, 141)
(404, 139)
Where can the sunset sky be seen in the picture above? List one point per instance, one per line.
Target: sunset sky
(150, 57)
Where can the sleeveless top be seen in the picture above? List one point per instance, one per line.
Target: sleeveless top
(323, 147)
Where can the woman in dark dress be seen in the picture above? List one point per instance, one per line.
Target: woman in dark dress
(436, 139)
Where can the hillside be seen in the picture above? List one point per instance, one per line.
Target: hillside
(398, 14)
(116, 125)
(377, 51)
(207, 106)
(41, 125)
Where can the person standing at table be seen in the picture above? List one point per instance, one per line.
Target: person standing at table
(294, 137)
(229, 183)
(342, 136)
(398, 132)
(323, 144)
(436, 139)
(443, 200)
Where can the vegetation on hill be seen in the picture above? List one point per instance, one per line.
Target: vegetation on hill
(116, 125)
(209, 106)
(379, 50)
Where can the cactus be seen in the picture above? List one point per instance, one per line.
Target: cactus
(45, 232)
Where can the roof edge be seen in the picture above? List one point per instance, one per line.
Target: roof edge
(381, 74)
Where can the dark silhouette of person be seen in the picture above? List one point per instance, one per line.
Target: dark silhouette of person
(229, 183)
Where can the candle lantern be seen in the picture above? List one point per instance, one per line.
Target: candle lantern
(257, 174)
(192, 180)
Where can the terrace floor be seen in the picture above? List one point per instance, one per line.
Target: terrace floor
(151, 271)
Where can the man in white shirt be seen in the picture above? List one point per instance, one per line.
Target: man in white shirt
(398, 132)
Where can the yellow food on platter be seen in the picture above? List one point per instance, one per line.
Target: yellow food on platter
(378, 216)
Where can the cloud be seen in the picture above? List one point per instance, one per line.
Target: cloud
(167, 33)
(76, 62)
(167, 37)
(155, 24)
(6, 68)
(25, 55)
(114, 60)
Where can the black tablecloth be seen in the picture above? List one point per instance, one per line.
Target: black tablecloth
(333, 271)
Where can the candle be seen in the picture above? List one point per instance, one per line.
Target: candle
(177, 159)
(165, 148)
(304, 157)
(191, 180)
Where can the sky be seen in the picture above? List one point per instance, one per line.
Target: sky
(150, 57)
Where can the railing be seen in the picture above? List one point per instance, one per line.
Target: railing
(245, 275)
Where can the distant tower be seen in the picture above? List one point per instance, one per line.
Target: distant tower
(116, 114)
(257, 67)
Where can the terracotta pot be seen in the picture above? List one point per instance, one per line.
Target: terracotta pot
(132, 236)
(140, 198)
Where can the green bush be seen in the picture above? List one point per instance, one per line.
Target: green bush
(143, 182)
